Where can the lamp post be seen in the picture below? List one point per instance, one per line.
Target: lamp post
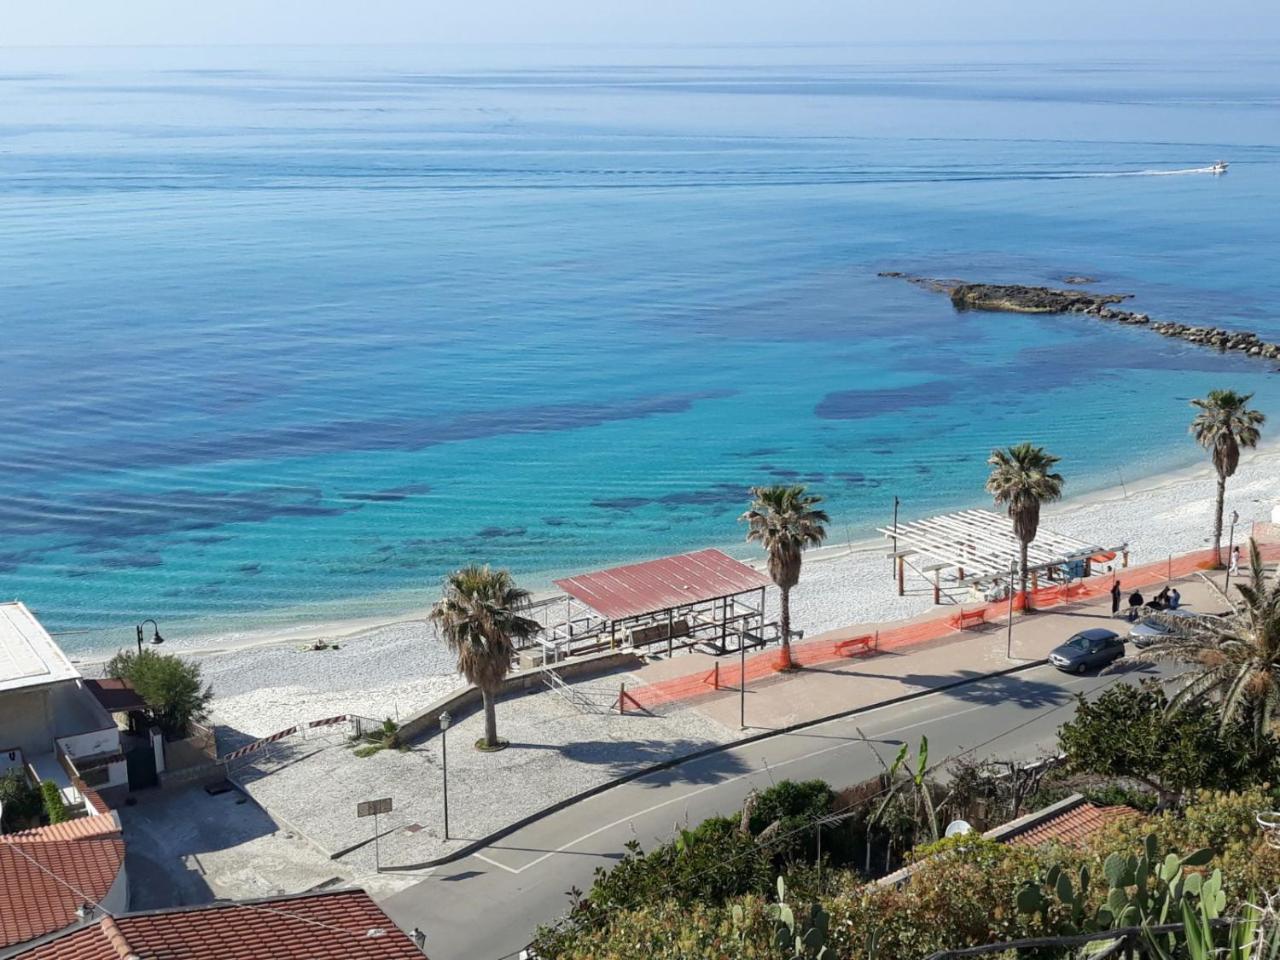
(156, 639)
(1231, 545)
(444, 763)
(893, 558)
(742, 677)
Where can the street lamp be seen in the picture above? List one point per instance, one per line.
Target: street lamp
(156, 639)
(1231, 543)
(444, 761)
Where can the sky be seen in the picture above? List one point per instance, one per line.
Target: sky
(236, 22)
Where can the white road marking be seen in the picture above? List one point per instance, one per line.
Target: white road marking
(495, 863)
(742, 776)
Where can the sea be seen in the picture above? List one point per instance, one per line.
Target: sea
(289, 333)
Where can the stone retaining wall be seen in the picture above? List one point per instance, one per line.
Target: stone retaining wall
(462, 702)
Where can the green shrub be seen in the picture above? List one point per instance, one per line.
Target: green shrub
(54, 808)
(795, 807)
(963, 891)
(20, 801)
(707, 866)
(170, 686)
(1127, 732)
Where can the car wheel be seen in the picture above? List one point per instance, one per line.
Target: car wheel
(1081, 667)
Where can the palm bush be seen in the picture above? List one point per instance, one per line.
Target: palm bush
(1224, 425)
(785, 520)
(1022, 479)
(481, 616)
(1234, 657)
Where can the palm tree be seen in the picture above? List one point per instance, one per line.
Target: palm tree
(785, 521)
(1021, 480)
(1224, 425)
(1235, 656)
(480, 617)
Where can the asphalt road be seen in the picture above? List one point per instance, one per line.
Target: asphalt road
(488, 905)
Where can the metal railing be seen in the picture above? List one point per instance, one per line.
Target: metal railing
(1131, 943)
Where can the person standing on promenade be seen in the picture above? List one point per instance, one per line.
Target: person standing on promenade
(1235, 561)
(1115, 597)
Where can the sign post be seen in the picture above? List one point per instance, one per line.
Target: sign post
(372, 808)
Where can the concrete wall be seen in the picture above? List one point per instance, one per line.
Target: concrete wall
(117, 899)
(26, 721)
(467, 699)
(94, 743)
(75, 710)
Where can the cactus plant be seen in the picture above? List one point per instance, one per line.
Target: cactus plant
(793, 942)
(1141, 889)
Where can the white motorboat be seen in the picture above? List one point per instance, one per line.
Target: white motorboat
(1219, 167)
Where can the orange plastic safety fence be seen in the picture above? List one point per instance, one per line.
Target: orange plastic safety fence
(758, 666)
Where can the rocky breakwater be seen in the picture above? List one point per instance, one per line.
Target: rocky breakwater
(1015, 298)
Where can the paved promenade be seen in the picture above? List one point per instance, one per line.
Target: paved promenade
(559, 751)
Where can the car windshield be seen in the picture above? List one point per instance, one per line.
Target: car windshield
(1078, 643)
(1155, 624)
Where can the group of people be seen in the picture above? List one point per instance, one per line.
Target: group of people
(1167, 599)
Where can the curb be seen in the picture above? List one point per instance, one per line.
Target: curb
(474, 845)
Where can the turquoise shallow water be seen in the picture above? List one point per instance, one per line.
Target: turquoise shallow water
(290, 331)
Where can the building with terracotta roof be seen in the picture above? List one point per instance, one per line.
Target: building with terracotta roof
(1070, 821)
(332, 925)
(48, 875)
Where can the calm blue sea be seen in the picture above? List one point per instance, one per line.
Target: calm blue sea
(288, 333)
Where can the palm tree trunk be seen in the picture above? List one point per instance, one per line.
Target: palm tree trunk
(784, 658)
(1217, 520)
(1026, 599)
(490, 719)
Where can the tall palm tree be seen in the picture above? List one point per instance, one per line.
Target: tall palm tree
(480, 616)
(1235, 656)
(1022, 478)
(1224, 425)
(785, 520)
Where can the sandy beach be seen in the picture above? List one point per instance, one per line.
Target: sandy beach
(393, 669)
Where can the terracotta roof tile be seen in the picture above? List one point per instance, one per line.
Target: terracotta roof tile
(34, 903)
(82, 828)
(1071, 826)
(333, 925)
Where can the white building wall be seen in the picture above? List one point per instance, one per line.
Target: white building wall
(26, 721)
(94, 743)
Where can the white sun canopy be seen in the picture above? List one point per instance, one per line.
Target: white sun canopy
(983, 544)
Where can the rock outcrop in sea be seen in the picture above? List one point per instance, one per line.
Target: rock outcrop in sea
(1015, 298)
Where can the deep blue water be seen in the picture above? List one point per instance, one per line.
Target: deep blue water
(289, 333)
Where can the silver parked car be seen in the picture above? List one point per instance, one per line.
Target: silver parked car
(1153, 626)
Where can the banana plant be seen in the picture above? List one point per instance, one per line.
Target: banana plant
(913, 779)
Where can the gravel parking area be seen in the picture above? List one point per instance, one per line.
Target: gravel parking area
(556, 751)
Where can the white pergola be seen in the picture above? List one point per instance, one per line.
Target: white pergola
(981, 546)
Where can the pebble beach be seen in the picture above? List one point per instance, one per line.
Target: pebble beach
(396, 668)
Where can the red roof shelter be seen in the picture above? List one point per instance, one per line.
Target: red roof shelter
(656, 585)
(704, 598)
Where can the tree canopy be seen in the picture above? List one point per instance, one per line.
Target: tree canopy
(1128, 732)
(171, 687)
